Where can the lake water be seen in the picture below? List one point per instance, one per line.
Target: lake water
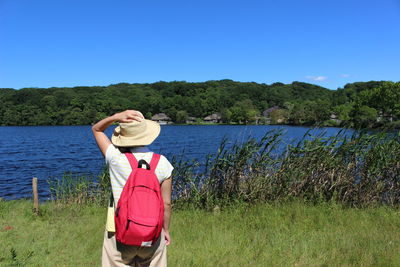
(50, 151)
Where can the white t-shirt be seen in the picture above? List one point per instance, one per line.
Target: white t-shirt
(120, 169)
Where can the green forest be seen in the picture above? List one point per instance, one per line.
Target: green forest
(370, 104)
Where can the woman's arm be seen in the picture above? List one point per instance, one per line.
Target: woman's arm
(166, 188)
(98, 129)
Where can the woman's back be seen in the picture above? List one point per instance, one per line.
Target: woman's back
(120, 168)
(132, 135)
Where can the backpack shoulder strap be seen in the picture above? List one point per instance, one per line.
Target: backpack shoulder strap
(132, 160)
(154, 161)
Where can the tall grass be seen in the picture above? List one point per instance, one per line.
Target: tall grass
(358, 170)
(76, 188)
(355, 170)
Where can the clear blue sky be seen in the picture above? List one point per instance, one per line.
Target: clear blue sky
(47, 43)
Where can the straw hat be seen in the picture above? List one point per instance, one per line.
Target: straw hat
(135, 133)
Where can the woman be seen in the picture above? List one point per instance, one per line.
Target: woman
(132, 135)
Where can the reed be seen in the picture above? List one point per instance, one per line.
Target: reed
(80, 189)
(358, 170)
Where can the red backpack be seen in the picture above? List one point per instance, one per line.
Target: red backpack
(140, 211)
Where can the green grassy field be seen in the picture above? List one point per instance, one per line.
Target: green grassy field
(291, 234)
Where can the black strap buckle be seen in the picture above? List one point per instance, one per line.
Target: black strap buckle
(141, 162)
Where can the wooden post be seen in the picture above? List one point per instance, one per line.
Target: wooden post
(35, 196)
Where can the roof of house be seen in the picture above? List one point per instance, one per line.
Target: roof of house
(333, 116)
(267, 111)
(160, 117)
(214, 116)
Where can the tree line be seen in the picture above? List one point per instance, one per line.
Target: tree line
(361, 104)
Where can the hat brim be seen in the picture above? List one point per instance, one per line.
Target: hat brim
(143, 139)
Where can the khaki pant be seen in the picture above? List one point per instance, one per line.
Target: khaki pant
(116, 254)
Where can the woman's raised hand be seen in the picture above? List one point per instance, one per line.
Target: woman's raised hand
(129, 116)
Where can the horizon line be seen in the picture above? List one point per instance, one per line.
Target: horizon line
(111, 84)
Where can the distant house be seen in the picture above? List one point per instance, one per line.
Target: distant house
(190, 120)
(334, 117)
(161, 118)
(266, 113)
(384, 117)
(213, 118)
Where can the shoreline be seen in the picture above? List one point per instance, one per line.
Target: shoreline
(227, 124)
